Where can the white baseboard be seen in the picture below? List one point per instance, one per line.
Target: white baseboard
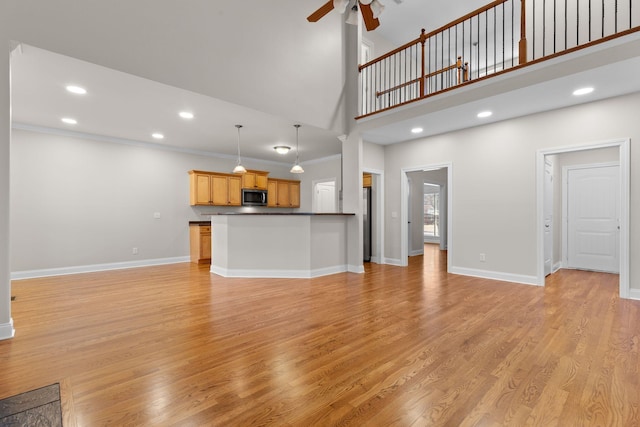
(19, 275)
(393, 261)
(496, 275)
(557, 266)
(634, 294)
(283, 274)
(355, 269)
(6, 330)
(416, 252)
(375, 260)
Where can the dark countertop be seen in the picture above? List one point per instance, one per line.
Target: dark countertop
(280, 213)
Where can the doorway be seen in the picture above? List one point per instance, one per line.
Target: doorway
(413, 194)
(324, 196)
(609, 153)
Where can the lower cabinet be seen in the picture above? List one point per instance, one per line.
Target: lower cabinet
(200, 243)
(283, 193)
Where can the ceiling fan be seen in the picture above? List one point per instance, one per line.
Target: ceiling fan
(370, 10)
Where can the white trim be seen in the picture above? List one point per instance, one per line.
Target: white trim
(624, 147)
(634, 294)
(404, 194)
(557, 266)
(279, 274)
(416, 252)
(375, 260)
(7, 330)
(153, 146)
(393, 261)
(358, 269)
(496, 275)
(60, 271)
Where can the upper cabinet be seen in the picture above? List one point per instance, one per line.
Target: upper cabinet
(253, 179)
(215, 189)
(366, 180)
(283, 193)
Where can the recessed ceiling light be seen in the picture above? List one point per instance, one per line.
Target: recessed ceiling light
(282, 149)
(69, 121)
(157, 135)
(76, 89)
(416, 130)
(186, 115)
(583, 91)
(484, 114)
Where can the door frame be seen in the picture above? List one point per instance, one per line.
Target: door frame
(404, 197)
(624, 146)
(565, 202)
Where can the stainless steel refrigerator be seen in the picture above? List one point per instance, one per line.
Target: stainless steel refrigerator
(366, 223)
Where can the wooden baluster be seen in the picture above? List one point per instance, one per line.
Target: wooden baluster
(423, 39)
(523, 33)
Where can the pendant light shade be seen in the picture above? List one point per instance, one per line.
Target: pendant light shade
(296, 167)
(239, 168)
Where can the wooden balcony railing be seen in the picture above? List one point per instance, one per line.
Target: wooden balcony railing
(503, 35)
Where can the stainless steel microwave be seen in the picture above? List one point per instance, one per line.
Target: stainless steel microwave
(254, 197)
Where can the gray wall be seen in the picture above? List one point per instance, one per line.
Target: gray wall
(78, 202)
(494, 181)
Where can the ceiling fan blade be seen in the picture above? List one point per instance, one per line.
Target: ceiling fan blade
(324, 9)
(370, 22)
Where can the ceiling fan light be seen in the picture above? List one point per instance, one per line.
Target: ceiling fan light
(352, 19)
(282, 149)
(365, 1)
(376, 8)
(340, 5)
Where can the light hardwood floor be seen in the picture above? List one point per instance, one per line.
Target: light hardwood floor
(175, 345)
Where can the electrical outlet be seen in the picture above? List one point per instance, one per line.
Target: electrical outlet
(134, 251)
(482, 258)
(156, 215)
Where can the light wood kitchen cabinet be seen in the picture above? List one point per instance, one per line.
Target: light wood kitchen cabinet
(200, 243)
(215, 189)
(226, 190)
(366, 180)
(283, 193)
(255, 180)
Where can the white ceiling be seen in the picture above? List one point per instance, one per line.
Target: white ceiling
(126, 107)
(123, 106)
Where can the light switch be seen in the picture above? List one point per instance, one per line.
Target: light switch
(156, 215)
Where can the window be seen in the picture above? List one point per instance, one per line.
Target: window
(431, 211)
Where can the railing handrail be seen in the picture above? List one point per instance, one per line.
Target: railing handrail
(424, 36)
(394, 51)
(490, 40)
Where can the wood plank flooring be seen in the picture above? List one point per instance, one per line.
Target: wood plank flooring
(176, 345)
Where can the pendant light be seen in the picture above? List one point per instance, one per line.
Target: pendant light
(239, 168)
(296, 167)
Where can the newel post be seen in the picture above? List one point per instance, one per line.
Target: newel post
(523, 33)
(423, 39)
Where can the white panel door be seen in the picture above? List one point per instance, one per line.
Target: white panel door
(548, 217)
(592, 218)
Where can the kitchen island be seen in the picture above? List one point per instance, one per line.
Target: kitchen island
(295, 245)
